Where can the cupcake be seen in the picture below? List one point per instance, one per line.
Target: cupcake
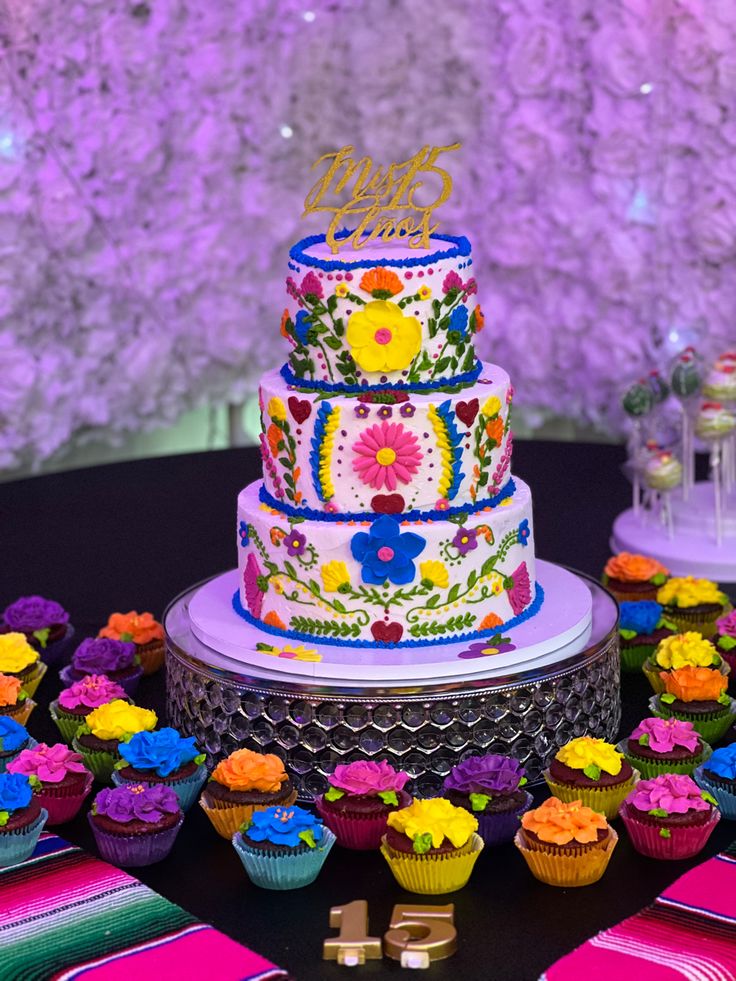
(717, 775)
(431, 846)
(641, 627)
(592, 772)
(142, 630)
(14, 702)
(98, 738)
(491, 788)
(725, 638)
(21, 819)
(13, 739)
(59, 778)
(135, 825)
(664, 746)
(633, 577)
(565, 843)
(669, 816)
(45, 624)
(359, 800)
(693, 604)
(697, 695)
(283, 847)
(19, 660)
(690, 649)
(99, 655)
(241, 784)
(162, 757)
(75, 703)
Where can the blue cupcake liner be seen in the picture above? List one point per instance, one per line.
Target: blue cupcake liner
(186, 788)
(17, 846)
(4, 760)
(283, 870)
(726, 799)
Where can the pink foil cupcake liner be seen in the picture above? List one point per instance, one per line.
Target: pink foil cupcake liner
(63, 807)
(135, 850)
(357, 831)
(683, 841)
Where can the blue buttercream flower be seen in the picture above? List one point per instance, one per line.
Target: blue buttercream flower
(723, 762)
(244, 534)
(15, 791)
(459, 321)
(524, 532)
(301, 326)
(641, 617)
(163, 751)
(12, 735)
(386, 553)
(289, 826)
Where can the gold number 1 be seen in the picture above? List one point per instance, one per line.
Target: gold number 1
(352, 946)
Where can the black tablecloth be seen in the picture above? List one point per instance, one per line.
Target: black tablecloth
(134, 535)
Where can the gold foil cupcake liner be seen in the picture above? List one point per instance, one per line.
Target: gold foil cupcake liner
(151, 656)
(227, 820)
(685, 621)
(21, 711)
(605, 800)
(581, 869)
(432, 875)
(31, 683)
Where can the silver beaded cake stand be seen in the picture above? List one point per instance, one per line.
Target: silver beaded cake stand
(423, 727)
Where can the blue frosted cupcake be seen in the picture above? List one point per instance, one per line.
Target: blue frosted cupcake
(717, 775)
(641, 627)
(283, 847)
(13, 739)
(21, 819)
(162, 757)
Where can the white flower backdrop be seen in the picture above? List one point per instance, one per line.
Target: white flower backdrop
(154, 157)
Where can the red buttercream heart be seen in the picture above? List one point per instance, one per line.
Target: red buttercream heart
(387, 633)
(467, 411)
(387, 503)
(301, 410)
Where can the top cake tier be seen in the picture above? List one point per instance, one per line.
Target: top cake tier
(384, 315)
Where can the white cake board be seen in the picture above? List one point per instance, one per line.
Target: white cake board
(561, 629)
(692, 551)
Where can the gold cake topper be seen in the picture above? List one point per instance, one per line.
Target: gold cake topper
(380, 195)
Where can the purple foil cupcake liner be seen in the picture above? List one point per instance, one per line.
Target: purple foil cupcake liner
(497, 829)
(135, 850)
(683, 841)
(17, 846)
(186, 789)
(129, 684)
(59, 651)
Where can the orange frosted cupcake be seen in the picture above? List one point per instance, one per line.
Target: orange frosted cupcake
(634, 577)
(565, 843)
(697, 695)
(13, 699)
(142, 630)
(682, 650)
(241, 784)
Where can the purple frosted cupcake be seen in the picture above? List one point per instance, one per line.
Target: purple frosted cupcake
(491, 788)
(45, 624)
(101, 655)
(359, 800)
(163, 757)
(75, 703)
(135, 825)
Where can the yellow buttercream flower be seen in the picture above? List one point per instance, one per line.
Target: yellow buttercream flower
(120, 720)
(341, 289)
(334, 574)
(424, 292)
(689, 591)
(435, 572)
(684, 650)
(381, 338)
(436, 817)
(495, 581)
(16, 654)
(587, 751)
(491, 406)
(277, 409)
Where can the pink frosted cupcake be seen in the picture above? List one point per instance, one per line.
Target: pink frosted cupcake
(75, 703)
(669, 817)
(725, 639)
(59, 779)
(659, 746)
(359, 800)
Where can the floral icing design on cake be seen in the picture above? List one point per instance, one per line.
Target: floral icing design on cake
(488, 648)
(102, 655)
(278, 443)
(427, 823)
(381, 338)
(287, 827)
(592, 756)
(13, 735)
(385, 553)
(690, 649)
(449, 440)
(118, 720)
(366, 778)
(558, 822)
(140, 628)
(688, 591)
(691, 684)
(136, 802)
(483, 777)
(246, 770)
(163, 751)
(90, 692)
(323, 444)
(488, 433)
(666, 735)
(35, 616)
(631, 568)
(47, 764)
(16, 793)
(385, 455)
(16, 654)
(670, 793)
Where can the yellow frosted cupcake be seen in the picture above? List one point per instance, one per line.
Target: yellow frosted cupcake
(565, 843)
(431, 846)
(98, 738)
(241, 784)
(685, 650)
(19, 660)
(693, 604)
(592, 772)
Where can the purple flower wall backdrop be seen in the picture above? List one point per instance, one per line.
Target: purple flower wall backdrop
(154, 158)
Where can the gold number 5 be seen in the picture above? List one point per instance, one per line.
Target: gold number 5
(420, 934)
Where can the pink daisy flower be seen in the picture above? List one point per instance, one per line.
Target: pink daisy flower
(386, 454)
(253, 594)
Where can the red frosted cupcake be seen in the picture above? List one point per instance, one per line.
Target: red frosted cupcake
(59, 779)
(142, 630)
(669, 817)
(359, 800)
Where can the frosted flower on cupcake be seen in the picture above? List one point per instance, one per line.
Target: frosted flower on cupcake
(428, 822)
(16, 654)
(592, 756)
(140, 628)
(13, 735)
(683, 650)
(163, 751)
(723, 762)
(36, 617)
(688, 591)
(49, 764)
(691, 684)
(16, 793)
(367, 778)
(727, 625)
(103, 655)
(559, 823)
(639, 618)
(246, 770)
(670, 793)
(486, 775)
(666, 735)
(119, 720)
(289, 827)
(92, 691)
(135, 802)
(11, 691)
(628, 567)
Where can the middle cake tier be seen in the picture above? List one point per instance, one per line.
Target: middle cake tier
(386, 452)
(388, 580)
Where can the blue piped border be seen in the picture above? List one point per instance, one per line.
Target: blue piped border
(531, 610)
(310, 385)
(508, 489)
(460, 246)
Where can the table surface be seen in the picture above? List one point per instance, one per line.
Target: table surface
(134, 535)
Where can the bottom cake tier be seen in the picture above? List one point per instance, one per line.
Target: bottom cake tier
(387, 582)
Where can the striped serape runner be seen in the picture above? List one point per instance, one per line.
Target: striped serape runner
(689, 932)
(66, 915)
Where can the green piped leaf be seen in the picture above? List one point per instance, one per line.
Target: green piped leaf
(592, 771)
(523, 781)
(644, 739)
(4, 818)
(668, 698)
(627, 634)
(334, 794)
(727, 643)
(709, 797)
(121, 764)
(658, 812)
(127, 637)
(659, 580)
(479, 802)
(389, 797)
(665, 833)
(422, 843)
(244, 826)
(200, 758)
(42, 636)
(308, 838)
(34, 781)
(724, 699)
